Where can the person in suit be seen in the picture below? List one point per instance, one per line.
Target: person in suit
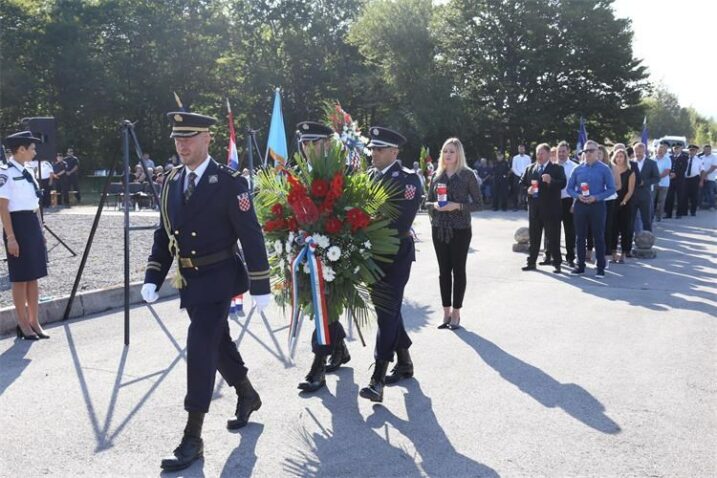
(501, 182)
(544, 180)
(205, 208)
(677, 180)
(692, 183)
(649, 176)
(315, 140)
(387, 293)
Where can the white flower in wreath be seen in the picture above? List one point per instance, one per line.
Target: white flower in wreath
(322, 241)
(367, 244)
(356, 269)
(282, 264)
(278, 247)
(334, 253)
(307, 270)
(329, 274)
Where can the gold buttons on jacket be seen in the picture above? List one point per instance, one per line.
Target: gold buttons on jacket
(176, 232)
(194, 253)
(194, 234)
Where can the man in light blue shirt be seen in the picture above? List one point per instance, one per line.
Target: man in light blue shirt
(590, 183)
(664, 166)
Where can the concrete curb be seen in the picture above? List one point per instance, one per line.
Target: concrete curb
(85, 304)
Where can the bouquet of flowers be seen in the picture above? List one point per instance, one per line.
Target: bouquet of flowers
(326, 231)
(426, 164)
(348, 132)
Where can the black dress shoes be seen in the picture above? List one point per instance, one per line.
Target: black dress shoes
(339, 357)
(316, 378)
(546, 262)
(578, 270)
(21, 335)
(189, 451)
(248, 401)
(374, 391)
(556, 269)
(403, 368)
(529, 267)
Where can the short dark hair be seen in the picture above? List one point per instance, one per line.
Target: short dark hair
(23, 144)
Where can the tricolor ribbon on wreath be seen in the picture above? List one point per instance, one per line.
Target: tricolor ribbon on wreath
(318, 295)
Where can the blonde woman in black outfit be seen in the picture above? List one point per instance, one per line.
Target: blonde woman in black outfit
(451, 226)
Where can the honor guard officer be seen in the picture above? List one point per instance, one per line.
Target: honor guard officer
(22, 232)
(205, 208)
(387, 294)
(315, 139)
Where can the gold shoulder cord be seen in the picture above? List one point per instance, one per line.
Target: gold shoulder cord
(179, 281)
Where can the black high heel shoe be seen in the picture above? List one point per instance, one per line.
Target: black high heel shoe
(41, 335)
(21, 334)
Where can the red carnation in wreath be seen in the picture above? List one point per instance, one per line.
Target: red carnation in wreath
(357, 218)
(319, 188)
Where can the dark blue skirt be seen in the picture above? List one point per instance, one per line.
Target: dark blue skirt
(32, 262)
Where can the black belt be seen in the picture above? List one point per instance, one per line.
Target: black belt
(24, 212)
(191, 262)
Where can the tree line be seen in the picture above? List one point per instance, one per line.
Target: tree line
(493, 72)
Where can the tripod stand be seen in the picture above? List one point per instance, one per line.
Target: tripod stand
(251, 146)
(127, 129)
(42, 212)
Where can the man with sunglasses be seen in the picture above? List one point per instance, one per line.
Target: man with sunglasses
(387, 294)
(589, 185)
(314, 141)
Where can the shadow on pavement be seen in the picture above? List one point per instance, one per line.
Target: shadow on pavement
(242, 460)
(349, 447)
(13, 363)
(571, 398)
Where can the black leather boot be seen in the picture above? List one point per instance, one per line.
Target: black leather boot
(374, 391)
(339, 357)
(316, 377)
(248, 401)
(403, 368)
(191, 447)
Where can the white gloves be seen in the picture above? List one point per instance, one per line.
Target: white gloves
(261, 301)
(149, 293)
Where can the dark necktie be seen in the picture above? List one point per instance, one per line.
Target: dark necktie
(540, 170)
(191, 186)
(689, 168)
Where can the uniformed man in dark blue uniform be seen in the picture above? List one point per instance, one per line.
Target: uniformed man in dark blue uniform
(314, 140)
(387, 294)
(204, 208)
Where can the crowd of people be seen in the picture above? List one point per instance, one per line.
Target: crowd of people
(62, 177)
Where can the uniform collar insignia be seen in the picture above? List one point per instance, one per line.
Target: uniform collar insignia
(213, 179)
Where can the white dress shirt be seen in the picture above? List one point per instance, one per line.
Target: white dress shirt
(14, 187)
(568, 167)
(707, 163)
(199, 171)
(696, 168)
(520, 162)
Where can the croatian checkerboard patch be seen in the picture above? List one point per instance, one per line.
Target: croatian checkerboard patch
(244, 202)
(410, 192)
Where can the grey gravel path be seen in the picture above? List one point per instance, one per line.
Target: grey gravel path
(105, 265)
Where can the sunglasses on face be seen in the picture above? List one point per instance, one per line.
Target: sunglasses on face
(591, 150)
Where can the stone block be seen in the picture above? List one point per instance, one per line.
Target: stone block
(522, 235)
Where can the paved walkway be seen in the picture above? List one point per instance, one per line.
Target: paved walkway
(552, 376)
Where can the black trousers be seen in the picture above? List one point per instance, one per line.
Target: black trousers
(673, 193)
(73, 181)
(623, 226)
(551, 226)
(336, 335)
(643, 205)
(500, 195)
(568, 228)
(387, 294)
(210, 348)
(45, 186)
(517, 192)
(61, 186)
(452, 257)
(690, 196)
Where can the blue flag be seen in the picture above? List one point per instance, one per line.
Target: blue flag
(645, 133)
(276, 146)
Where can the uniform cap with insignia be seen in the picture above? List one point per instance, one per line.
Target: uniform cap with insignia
(693, 146)
(23, 138)
(384, 138)
(185, 124)
(312, 131)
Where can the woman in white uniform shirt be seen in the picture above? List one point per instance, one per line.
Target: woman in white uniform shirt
(22, 233)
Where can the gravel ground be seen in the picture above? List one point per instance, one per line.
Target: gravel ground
(105, 264)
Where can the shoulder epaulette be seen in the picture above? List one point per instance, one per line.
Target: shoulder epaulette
(227, 170)
(408, 170)
(4, 166)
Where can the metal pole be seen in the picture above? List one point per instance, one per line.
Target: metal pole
(250, 150)
(125, 161)
(86, 253)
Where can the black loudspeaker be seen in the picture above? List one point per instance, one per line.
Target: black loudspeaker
(44, 128)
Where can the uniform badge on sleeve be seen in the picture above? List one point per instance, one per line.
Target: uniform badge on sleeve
(410, 192)
(244, 202)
